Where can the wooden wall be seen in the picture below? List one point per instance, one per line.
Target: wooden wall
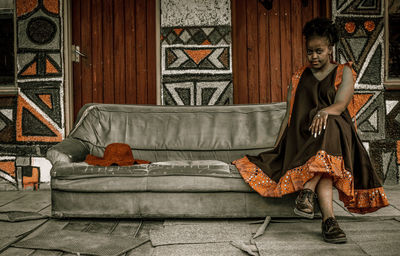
(118, 36)
(268, 46)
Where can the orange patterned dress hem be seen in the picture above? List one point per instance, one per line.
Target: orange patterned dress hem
(357, 201)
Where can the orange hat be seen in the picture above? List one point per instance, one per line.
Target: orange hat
(115, 154)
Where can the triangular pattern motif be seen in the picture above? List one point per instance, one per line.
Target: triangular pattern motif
(359, 102)
(197, 55)
(372, 74)
(46, 98)
(364, 7)
(24, 105)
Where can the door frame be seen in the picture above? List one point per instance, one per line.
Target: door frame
(68, 71)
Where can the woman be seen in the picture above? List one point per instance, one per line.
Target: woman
(317, 146)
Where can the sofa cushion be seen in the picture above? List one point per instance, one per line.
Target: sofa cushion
(160, 133)
(189, 167)
(174, 176)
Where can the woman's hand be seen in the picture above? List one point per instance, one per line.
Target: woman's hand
(319, 122)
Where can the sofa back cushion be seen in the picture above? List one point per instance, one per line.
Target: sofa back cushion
(161, 133)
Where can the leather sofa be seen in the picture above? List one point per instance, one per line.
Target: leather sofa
(190, 176)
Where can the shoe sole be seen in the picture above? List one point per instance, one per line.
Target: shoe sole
(303, 214)
(336, 240)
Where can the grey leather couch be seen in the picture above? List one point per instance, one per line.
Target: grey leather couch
(191, 150)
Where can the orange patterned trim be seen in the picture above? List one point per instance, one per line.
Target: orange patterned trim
(365, 200)
(294, 180)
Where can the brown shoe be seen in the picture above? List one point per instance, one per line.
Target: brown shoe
(332, 233)
(305, 203)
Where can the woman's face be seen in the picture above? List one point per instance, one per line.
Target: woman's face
(318, 51)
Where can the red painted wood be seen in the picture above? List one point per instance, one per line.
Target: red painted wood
(130, 56)
(97, 50)
(76, 39)
(275, 52)
(252, 51)
(118, 36)
(86, 48)
(141, 51)
(286, 44)
(119, 51)
(108, 52)
(240, 83)
(151, 53)
(264, 78)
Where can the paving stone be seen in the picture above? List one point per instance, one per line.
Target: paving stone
(17, 252)
(309, 248)
(207, 249)
(201, 233)
(144, 249)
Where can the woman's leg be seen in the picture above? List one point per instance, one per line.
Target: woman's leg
(311, 184)
(305, 200)
(331, 232)
(325, 196)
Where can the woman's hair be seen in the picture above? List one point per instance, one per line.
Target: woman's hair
(322, 27)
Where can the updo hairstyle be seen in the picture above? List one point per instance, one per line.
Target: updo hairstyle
(322, 27)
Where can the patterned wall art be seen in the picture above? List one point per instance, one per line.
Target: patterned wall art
(32, 121)
(196, 53)
(361, 23)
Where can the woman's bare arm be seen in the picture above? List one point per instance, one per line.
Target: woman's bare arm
(342, 99)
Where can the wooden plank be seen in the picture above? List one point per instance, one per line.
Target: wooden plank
(252, 51)
(119, 51)
(108, 51)
(286, 61)
(151, 52)
(275, 52)
(31, 202)
(296, 30)
(130, 52)
(307, 15)
(97, 50)
(141, 50)
(264, 79)
(86, 48)
(7, 197)
(76, 67)
(240, 54)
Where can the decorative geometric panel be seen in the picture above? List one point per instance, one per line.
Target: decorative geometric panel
(196, 65)
(371, 118)
(358, 38)
(364, 7)
(41, 65)
(219, 35)
(30, 177)
(198, 93)
(7, 120)
(33, 124)
(392, 99)
(178, 60)
(46, 96)
(8, 170)
(38, 39)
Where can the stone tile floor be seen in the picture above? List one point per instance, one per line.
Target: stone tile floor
(372, 234)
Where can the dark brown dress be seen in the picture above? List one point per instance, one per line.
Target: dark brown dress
(337, 151)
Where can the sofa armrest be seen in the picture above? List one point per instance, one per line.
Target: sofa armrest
(68, 151)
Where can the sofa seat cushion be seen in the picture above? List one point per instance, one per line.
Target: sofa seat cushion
(171, 176)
